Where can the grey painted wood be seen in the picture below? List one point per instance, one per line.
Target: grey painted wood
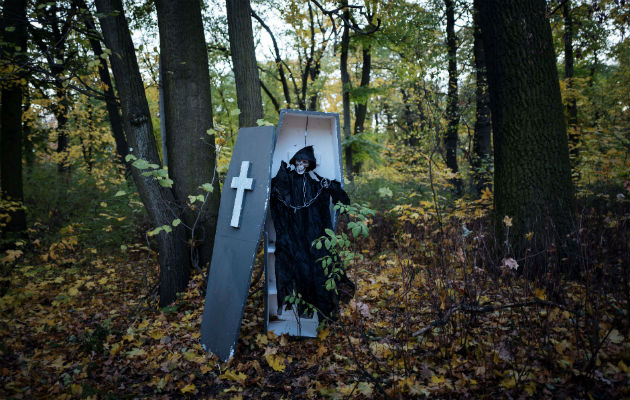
(235, 248)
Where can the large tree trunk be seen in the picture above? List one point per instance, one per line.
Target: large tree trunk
(244, 62)
(188, 113)
(11, 115)
(532, 178)
(173, 254)
(572, 111)
(482, 139)
(345, 90)
(452, 108)
(122, 148)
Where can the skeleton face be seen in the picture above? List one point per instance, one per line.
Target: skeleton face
(300, 166)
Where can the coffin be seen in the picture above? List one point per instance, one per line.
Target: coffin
(297, 129)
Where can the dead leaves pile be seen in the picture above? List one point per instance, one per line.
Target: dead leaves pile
(79, 324)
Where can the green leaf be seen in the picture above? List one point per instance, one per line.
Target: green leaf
(201, 197)
(235, 112)
(155, 231)
(318, 245)
(130, 157)
(192, 199)
(141, 164)
(207, 187)
(176, 222)
(262, 122)
(167, 228)
(166, 182)
(120, 193)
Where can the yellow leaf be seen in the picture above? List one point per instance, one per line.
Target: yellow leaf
(76, 389)
(59, 279)
(540, 294)
(233, 376)
(12, 255)
(508, 382)
(323, 334)
(262, 339)
(73, 291)
(136, 352)
(622, 366)
(156, 334)
(102, 281)
(115, 349)
(276, 362)
(616, 337)
(142, 324)
(190, 388)
(435, 379)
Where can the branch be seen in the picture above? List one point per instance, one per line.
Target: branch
(279, 62)
(276, 105)
(483, 309)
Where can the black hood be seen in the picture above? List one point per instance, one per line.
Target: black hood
(305, 154)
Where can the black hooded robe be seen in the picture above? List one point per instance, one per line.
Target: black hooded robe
(300, 209)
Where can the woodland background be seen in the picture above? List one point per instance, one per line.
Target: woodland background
(486, 151)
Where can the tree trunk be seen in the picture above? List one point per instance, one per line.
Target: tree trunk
(243, 52)
(345, 90)
(452, 108)
(11, 116)
(482, 140)
(188, 113)
(122, 148)
(61, 114)
(361, 108)
(574, 135)
(173, 255)
(532, 179)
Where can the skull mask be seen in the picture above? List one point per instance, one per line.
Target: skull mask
(300, 166)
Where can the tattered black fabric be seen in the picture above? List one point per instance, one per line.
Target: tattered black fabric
(300, 212)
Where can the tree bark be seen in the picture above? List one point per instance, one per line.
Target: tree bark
(12, 49)
(345, 90)
(452, 108)
(361, 108)
(122, 148)
(243, 52)
(572, 111)
(188, 113)
(173, 255)
(532, 179)
(482, 139)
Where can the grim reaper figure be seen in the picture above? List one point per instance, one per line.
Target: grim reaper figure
(300, 209)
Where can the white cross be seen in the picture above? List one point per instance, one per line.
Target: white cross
(240, 183)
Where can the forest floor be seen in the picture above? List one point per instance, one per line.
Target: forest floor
(80, 322)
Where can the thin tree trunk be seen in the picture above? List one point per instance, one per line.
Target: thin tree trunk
(452, 109)
(572, 111)
(243, 52)
(14, 15)
(345, 90)
(532, 175)
(173, 254)
(61, 114)
(188, 113)
(122, 148)
(361, 107)
(482, 139)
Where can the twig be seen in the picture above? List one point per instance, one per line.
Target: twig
(483, 309)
